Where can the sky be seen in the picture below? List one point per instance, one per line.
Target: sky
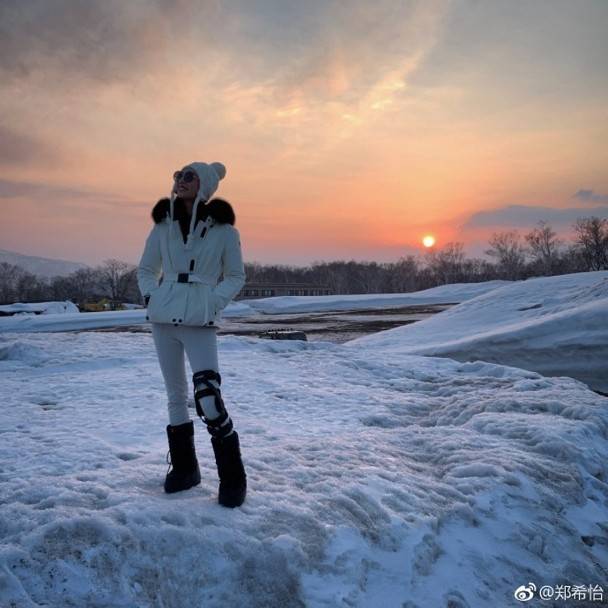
(349, 130)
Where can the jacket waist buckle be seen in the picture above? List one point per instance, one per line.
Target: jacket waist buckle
(188, 277)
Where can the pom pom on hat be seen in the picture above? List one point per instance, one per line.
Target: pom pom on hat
(219, 169)
(209, 177)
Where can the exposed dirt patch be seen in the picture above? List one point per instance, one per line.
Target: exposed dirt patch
(334, 326)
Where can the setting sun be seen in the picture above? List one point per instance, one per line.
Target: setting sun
(428, 241)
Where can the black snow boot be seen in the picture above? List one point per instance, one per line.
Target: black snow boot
(185, 473)
(233, 481)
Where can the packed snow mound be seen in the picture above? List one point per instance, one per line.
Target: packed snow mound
(557, 326)
(384, 480)
(20, 353)
(36, 308)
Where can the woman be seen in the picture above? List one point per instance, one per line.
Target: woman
(193, 242)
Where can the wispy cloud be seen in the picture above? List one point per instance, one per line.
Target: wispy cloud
(95, 41)
(22, 149)
(526, 216)
(323, 48)
(64, 202)
(277, 73)
(14, 189)
(589, 196)
(552, 42)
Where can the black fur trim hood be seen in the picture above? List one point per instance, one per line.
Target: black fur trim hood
(219, 209)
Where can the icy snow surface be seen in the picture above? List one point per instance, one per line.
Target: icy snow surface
(557, 326)
(376, 479)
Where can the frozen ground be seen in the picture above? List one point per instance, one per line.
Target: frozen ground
(376, 478)
(339, 326)
(557, 326)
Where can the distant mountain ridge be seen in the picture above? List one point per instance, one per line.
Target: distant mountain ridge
(42, 267)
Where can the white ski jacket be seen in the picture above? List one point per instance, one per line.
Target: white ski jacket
(189, 292)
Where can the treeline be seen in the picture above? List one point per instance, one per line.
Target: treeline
(512, 256)
(114, 282)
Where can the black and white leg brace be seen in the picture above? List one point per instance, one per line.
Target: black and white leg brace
(209, 403)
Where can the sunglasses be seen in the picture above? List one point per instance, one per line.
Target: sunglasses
(186, 176)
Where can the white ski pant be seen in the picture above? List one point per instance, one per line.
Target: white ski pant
(200, 344)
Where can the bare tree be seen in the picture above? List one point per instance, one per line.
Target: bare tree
(85, 284)
(476, 270)
(592, 242)
(61, 288)
(115, 277)
(447, 264)
(9, 278)
(543, 247)
(509, 253)
(571, 260)
(402, 276)
(31, 288)
(131, 293)
(334, 275)
(81, 286)
(19, 285)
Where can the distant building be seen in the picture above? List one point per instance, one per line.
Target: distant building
(268, 290)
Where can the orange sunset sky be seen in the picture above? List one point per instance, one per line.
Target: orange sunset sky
(349, 129)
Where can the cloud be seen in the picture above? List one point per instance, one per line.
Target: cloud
(524, 216)
(323, 49)
(588, 196)
(515, 57)
(103, 41)
(298, 80)
(294, 79)
(20, 149)
(67, 201)
(321, 60)
(12, 189)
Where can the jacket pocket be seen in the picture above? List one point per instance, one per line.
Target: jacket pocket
(216, 302)
(157, 304)
(200, 308)
(148, 297)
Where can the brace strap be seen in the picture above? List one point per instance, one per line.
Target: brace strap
(214, 426)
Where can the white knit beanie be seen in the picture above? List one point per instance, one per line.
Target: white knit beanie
(209, 176)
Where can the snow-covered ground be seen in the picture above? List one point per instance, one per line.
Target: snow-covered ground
(376, 478)
(557, 326)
